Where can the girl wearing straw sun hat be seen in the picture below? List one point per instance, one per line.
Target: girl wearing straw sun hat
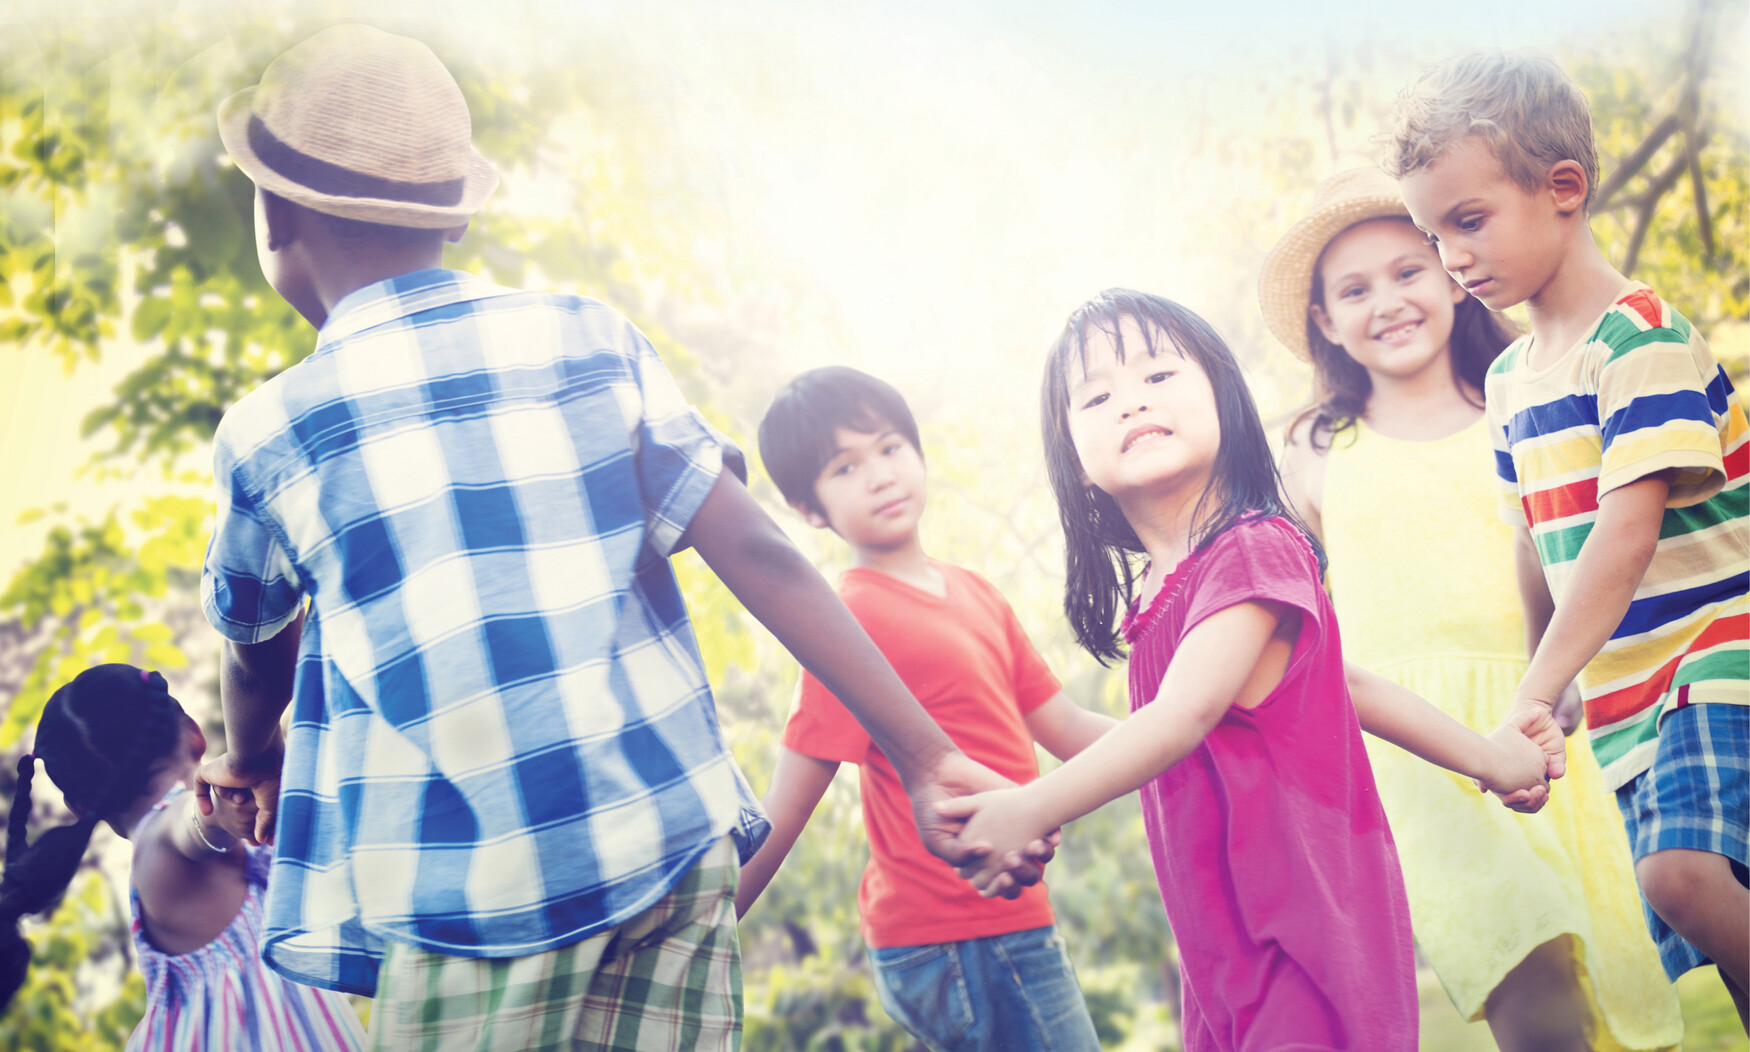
(1391, 466)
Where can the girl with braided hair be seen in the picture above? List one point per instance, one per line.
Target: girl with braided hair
(122, 750)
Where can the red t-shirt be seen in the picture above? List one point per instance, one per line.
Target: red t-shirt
(970, 665)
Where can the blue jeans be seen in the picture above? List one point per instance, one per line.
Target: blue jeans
(1014, 992)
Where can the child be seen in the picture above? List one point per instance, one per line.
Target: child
(955, 969)
(508, 808)
(1623, 453)
(1390, 469)
(1272, 853)
(122, 751)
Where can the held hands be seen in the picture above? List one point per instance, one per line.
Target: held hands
(258, 778)
(1530, 748)
(1003, 823)
(939, 806)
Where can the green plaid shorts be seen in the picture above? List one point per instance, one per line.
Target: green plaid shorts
(668, 980)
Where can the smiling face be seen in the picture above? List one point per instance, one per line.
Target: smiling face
(871, 490)
(1143, 427)
(1387, 302)
(1501, 243)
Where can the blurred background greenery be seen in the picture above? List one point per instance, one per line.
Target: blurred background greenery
(920, 190)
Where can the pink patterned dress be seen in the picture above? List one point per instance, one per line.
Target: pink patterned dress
(1275, 863)
(222, 998)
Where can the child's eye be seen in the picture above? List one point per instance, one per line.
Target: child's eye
(1470, 224)
(888, 451)
(1155, 378)
(1408, 272)
(1094, 401)
(1351, 292)
(843, 469)
(1432, 239)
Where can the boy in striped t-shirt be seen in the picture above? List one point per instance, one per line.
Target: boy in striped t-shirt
(1623, 451)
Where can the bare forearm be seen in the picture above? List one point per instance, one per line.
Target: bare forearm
(1606, 574)
(255, 685)
(1402, 717)
(798, 783)
(1535, 601)
(783, 590)
(1153, 739)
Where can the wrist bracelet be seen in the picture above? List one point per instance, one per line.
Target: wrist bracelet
(194, 819)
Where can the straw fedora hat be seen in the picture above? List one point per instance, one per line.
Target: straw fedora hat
(1285, 282)
(362, 124)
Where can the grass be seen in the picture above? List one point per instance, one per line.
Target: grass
(1710, 1022)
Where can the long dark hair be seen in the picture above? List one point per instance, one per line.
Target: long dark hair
(1098, 541)
(99, 737)
(1341, 386)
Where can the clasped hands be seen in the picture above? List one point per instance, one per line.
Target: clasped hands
(1531, 749)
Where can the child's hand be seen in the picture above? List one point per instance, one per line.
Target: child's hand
(941, 827)
(1529, 726)
(235, 812)
(1003, 823)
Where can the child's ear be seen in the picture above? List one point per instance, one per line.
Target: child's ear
(1323, 321)
(281, 217)
(812, 517)
(193, 737)
(454, 234)
(1568, 185)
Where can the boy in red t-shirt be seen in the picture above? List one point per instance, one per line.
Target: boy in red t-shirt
(955, 969)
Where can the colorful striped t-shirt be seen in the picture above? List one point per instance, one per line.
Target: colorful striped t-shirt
(1640, 394)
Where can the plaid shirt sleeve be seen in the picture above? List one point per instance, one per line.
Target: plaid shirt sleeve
(678, 455)
(250, 590)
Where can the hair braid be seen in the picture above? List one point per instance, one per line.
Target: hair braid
(110, 725)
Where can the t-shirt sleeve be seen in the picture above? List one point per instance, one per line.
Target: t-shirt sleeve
(1034, 682)
(1259, 560)
(1508, 503)
(821, 727)
(1656, 408)
(250, 589)
(678, 456)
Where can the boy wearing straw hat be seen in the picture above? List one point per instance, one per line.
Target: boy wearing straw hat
(1623, 454)
(505, 808)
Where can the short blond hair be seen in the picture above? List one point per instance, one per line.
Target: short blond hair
(1519, 102)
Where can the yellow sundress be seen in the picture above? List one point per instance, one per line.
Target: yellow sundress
(1421, 574)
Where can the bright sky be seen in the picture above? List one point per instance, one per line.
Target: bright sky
(944, 180)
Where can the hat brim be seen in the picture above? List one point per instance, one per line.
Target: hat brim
(478, 184)
(1285, 279)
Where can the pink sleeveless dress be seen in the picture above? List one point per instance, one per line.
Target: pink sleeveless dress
(1275, 863)
(222, 998)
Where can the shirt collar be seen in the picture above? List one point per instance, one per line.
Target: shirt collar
(398, 297)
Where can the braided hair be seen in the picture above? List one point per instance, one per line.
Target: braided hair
(99, 737)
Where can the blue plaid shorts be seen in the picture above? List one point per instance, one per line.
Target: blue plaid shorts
(1696, 795)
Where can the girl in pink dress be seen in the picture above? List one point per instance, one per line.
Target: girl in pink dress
(1272, 852)
(121, 749)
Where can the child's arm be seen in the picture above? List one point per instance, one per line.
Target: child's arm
(798, 783)
(1609, 568)
(1220, 661)
(1538, 606)
(255, 685)
(757, 562)
(1515, 760)
(1064, 727)
(1303, 475)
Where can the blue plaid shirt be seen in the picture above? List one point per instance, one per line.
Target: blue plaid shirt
(502, 739)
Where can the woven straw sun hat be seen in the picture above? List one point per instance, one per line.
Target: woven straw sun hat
(362, 124)
(1285, 281)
